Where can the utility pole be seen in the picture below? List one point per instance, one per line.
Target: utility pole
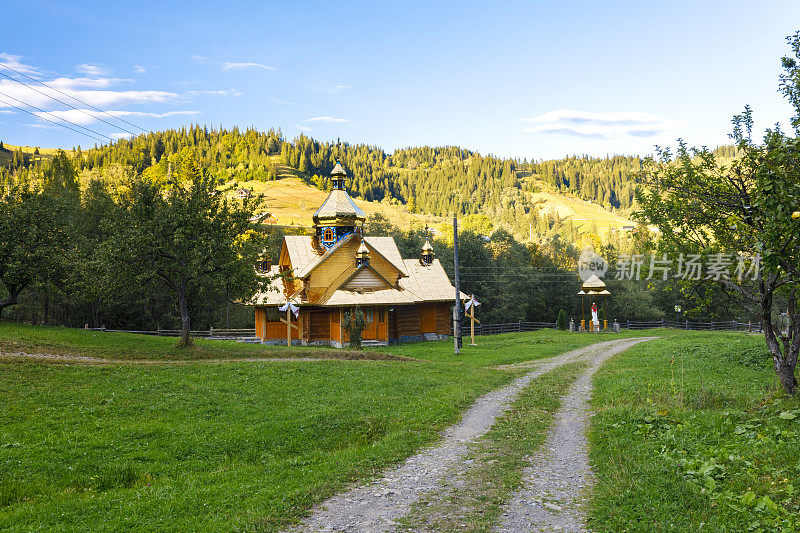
(457, 307)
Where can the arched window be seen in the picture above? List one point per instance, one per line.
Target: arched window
(327, 235)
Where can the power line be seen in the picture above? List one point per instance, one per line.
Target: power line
(76, 99)
(48, 120)
(59, 118)
(68, 105)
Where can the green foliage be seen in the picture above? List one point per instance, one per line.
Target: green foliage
(696, 416)
(562, 320)
(33, 240)
(354, 324)
(188, 238)
(702, 205)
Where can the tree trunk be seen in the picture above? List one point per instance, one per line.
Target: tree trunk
(784, 351)
(13, 296)
(185, 325)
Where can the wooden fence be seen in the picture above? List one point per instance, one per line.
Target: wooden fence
(519, 327)
(213, 333)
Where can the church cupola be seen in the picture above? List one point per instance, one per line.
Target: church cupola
(426, 255)
(362, 255)
(338, 216)
(338, 176)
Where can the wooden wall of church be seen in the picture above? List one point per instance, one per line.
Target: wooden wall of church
(320, 325)
(444, 319)
(407, 320)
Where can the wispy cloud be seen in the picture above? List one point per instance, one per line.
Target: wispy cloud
(281, 102)
(202, 60)
(92, 91)
(327, 119)
(234, 65)
(139, 69)
(120, 135)
(304, 128)
(230, 92)
(334, 89)
(592, 125)
(88, 116)
(93, 69)
(13, 61)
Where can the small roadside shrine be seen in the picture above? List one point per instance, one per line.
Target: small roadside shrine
(320, 277)
(591, 291)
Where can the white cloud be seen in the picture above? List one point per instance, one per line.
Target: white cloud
(89, 116)
(231, 92)
(233, 65)
(202, 60)
(93, 69)
(602, 126)
(138, 69)
(281, 102)
(326, 119)
(120, 135)
(13, 61)
(40, 97)
(304, 128)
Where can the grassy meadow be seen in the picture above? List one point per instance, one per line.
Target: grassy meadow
(690, 433)
(242, 445)
(693, 434)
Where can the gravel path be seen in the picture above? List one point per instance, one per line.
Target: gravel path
(552, 498)
(377, 506)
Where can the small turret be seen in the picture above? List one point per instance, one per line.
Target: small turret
(362, 255)
(426, 255)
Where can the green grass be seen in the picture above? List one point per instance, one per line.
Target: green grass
(218, 447)
(474, 501)
(128, 346)
(693, 434)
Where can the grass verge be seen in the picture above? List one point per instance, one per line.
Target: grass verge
(478, 490)
(693, 434)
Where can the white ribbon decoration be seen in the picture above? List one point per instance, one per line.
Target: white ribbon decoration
(469, 303)
(294, 308)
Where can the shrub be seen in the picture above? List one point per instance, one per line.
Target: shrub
(354, 324)
(562, 320)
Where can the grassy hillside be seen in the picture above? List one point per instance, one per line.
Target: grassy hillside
(292, 202)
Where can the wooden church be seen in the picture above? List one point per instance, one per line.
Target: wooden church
(338, 268)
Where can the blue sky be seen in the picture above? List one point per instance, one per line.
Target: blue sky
(521, 79)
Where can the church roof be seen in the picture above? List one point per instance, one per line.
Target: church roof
(338, 206)
(305, 258)
(428, 283)
(423, 284)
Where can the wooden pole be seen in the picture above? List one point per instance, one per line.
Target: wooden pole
(472, 323)
(288, 324)
(457, 307)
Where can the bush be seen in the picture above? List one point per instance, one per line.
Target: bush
(562, 320)
(354, 324)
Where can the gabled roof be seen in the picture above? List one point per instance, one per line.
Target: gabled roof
(301, 252)
(305, 259)
(428, 283)
(308, 268)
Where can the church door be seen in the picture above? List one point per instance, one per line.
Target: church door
(382, 331)
(369, 317)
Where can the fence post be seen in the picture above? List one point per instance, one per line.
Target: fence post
(712, 325)
(519, 326)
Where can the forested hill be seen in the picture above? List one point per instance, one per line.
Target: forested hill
(435, 180)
